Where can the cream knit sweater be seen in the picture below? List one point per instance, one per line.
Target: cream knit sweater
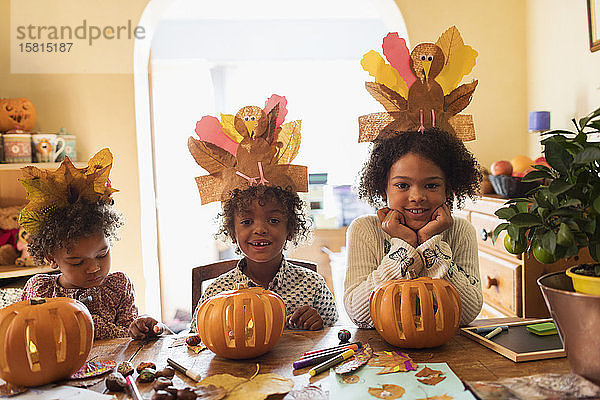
(375, 257)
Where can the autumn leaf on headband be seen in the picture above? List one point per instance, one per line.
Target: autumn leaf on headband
(359, 359)
(288, 142)
(310, 392)
(49, 190)
(387, 391)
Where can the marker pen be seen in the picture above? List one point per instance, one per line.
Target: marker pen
(187, 372)
(331, 362)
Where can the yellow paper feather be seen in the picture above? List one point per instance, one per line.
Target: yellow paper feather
(288, 142)
(459, 59)
(385, 74)
(228, 125)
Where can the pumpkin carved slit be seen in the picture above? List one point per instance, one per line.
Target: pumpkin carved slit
(58, 328)
(33, 356)
(249, 335)
(81, 324)
(3, 328)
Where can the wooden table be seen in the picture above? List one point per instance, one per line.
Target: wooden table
(468, 359)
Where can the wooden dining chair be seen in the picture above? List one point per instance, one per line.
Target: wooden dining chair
(213, 270)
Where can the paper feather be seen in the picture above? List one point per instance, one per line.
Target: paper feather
(398, 55)
(385, 74)
(228, 126)
(460, 59)
(209, 130)
(282, 103)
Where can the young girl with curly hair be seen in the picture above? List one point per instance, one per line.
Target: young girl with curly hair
(413, 179)
(76, 238)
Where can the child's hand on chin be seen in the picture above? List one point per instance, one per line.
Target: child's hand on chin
(393, 223)
(146, 327)
(305, 317)
(441, 220)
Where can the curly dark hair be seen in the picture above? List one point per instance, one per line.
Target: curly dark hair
(62, 227)
(462, 171)
(298, 224)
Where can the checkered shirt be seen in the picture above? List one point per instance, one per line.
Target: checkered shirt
(297, 286)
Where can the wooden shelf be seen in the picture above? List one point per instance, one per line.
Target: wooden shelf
(13, 271)
(53, 165)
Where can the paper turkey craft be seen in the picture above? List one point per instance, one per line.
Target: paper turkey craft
(419, 89)
(252, 147)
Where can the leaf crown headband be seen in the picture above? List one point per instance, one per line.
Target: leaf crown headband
(51, 190)
(253, 147)
(419, 89)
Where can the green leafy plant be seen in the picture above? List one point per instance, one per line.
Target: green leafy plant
(562, 215)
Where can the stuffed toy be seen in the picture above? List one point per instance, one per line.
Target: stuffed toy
(25, 259)
(9, 232)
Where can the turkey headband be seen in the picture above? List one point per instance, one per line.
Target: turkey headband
(50, 190)
(419, 90)
(253, 147)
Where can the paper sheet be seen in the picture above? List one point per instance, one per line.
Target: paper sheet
(50, 392)
(451, 386)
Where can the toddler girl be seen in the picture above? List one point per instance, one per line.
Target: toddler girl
(414, 178)
(71, 224)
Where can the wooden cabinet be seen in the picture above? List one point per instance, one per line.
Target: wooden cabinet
(12, 193)
(508, 281)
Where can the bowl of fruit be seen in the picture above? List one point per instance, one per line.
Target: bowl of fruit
(506, 176)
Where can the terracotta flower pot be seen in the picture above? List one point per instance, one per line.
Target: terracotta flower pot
(577, 317)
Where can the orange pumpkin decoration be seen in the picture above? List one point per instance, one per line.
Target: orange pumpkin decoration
(17, 113)
(43, 340)
(416, 313)
(241, 323)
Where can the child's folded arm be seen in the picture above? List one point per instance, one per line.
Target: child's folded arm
(365, 272)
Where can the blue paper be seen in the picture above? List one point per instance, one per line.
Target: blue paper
(452, 386)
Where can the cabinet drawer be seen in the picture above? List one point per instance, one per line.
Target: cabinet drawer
(500, 283)
(484, 227)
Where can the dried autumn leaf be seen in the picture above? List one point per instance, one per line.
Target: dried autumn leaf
(310, 392)
(288, 142)
(350, 379)
(433, 380)
(442, 397)
(358, 360)
(210, 392)
(226, 381)
(387, 391)
(392, 362)
(210, 157)
(390, 100)
(259, 388)
(428, 372)
(458, 99)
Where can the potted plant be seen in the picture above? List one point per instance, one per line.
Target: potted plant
(555, 221)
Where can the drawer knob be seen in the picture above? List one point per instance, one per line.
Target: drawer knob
(490, 282)
(484, 234)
